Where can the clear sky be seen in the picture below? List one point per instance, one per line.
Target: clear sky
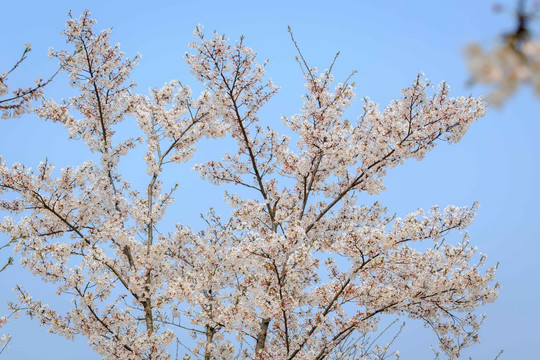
(388, 42)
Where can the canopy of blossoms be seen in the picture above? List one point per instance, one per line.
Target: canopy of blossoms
(296, 270)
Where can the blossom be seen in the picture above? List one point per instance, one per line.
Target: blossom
(20, 100)
(505, 68)
(513, 61)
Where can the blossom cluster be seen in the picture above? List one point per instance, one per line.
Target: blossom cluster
(20, 100)
(4, 339)
(505, 68)
(296, 270)
(514, 61)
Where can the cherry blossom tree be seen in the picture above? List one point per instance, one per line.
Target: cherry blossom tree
(297, 270)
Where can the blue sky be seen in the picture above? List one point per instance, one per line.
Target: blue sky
(388, 42)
